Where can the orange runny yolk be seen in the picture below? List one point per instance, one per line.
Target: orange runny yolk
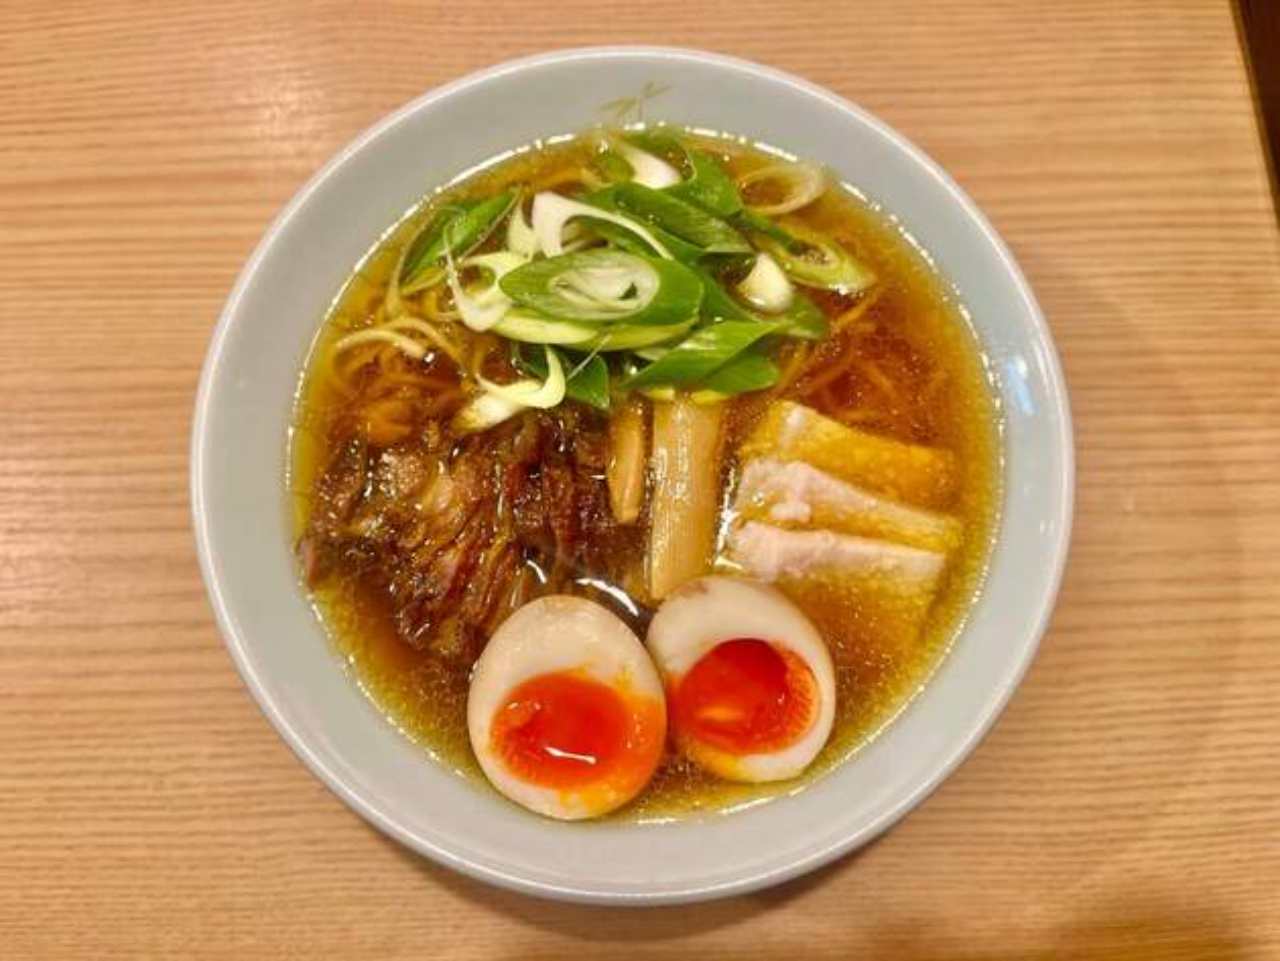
(564, 730)
(746, 696)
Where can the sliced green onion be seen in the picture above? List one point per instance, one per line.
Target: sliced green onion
(578, 236)
(586, 382)
(707, 186)
(660, 142)
(802, 318)
(816, 260)
(594, 286)
(766, 286)
(686, 221)
(752, 222)
(520, 236)
(717, 304)
(626, 337)
(551, 213)
(484, 309)
(529, 327)
(413, 256)
(499, 262)
(646, 168)
(456, 231)
(701, 353)
(606, 199)
(748, 371)
(802, 184)
(531, 393)
(610, 163)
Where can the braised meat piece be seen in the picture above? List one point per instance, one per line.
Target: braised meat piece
(458, 537)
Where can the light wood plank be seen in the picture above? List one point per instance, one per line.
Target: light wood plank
(1125, 807)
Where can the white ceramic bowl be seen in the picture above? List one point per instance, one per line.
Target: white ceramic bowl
(238, 462)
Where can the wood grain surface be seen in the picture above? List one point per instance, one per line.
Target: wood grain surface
(1125, 806)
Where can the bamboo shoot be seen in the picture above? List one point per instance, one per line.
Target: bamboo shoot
(686, 491)
(626, 470)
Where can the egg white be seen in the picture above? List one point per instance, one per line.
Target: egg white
(549, 635)
(710, 610)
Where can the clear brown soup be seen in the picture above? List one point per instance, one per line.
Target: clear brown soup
(902, 362)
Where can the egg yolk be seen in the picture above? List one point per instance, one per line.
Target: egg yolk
(564, 730)
(746, 696)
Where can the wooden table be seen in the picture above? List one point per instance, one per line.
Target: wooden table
(1125, 806)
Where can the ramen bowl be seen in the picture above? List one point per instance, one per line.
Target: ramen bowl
(242, 515)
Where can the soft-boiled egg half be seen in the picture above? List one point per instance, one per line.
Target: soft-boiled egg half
(566, 712)
(750, 685)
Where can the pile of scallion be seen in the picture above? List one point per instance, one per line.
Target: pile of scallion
(661, 280)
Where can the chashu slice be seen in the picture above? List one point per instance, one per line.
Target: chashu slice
(794, 494)
(921, 476)
(882, 589)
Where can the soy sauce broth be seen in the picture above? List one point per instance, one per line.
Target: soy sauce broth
(906, 365)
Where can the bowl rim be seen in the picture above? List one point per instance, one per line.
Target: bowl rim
(367, 808)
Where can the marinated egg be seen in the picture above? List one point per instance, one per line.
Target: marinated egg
(750, 684)
(565, 712)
